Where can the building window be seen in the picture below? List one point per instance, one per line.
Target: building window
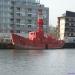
(67, 19)
(18, 25)
(72, 24)
(11, 14)
(67, 24)
(29, 9)
(11, 31)
(66, 34)
(12, 2)
(29, 26)
(66, 29)
(29, 31)
(29, 15)
(11, 25)
(29, 21)
(74, 34)
(72, 20)
(18, 8)
(71, 34)
(18, 14)
(18, 31)
(72, 30)
(11, 7)
(12, 20)
(18, 20)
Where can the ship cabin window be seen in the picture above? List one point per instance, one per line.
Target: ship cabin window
(33, 33)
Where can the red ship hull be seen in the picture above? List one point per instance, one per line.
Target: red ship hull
(24, 43)
(37, 39)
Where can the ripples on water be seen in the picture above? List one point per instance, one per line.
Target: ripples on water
(37, 62)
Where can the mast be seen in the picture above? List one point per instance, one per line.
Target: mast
(40, 21)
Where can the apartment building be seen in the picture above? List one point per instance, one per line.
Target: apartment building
(66, 27)
(20, 16)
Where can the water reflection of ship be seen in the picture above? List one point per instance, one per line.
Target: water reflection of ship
(37, 39)
(27, 53)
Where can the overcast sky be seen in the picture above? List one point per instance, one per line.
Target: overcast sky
(57, 8)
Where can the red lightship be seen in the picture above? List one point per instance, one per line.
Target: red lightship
(38, 39)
